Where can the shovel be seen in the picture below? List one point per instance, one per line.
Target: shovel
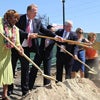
(95, 45)
(24, 55)
(92, 71)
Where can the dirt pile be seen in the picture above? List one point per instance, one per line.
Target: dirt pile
(73, 89)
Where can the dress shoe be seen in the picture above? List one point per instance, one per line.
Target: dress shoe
(9, 93)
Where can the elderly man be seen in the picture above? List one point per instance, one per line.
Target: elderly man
(63, 59)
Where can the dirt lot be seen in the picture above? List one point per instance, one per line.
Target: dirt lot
(74, 89)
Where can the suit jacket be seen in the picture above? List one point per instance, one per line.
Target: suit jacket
(37, 28)
(46, 51)
(71, 48)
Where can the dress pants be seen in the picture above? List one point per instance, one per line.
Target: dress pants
(24, 70)
(33, 72)
(47, 68)
(63, 60)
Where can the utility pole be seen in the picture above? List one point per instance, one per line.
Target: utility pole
(63, 8)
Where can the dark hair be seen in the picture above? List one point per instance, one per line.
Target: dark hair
(31, 6)
(49, 26)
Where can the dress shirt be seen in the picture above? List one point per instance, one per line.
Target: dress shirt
(25, 42)
(65, 36)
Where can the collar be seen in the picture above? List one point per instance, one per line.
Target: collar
(66, 31)
(28, 18)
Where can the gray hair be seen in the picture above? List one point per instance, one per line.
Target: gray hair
(68, 22)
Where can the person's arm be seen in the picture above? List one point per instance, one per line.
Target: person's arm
(26, 35)
(17, 43)
(49, 33)
(58, 33)
(75, 53)
(23, 34)
(45, 31)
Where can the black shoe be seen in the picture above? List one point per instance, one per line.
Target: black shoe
(24, 93)
(9, 93)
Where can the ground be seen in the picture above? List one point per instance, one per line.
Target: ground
(40, 89)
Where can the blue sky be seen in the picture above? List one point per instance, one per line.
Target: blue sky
(83, 13)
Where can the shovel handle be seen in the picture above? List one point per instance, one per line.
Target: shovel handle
(24, 55)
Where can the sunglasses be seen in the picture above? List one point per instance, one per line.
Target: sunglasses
(79, 32)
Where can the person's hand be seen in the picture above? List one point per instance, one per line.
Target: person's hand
(33, 35)
(21, 50)
(58, 38)
(75, 57)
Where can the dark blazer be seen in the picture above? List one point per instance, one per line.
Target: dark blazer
(37, 28)
(71, 48)
(46, 51)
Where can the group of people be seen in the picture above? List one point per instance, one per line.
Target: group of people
(23, 32)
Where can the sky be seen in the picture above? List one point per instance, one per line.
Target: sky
(83, 13)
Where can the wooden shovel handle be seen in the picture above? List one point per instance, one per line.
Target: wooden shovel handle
(93, 71)
(24, 55)
(68, 41)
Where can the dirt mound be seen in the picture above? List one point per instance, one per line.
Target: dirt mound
(73, 89)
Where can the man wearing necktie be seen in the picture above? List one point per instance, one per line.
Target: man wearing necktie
(29, 24)
(63, 59)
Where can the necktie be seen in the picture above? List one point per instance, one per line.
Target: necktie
(28, 30)
(66, 34)
(28, 26)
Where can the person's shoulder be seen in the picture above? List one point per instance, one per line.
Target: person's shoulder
(16, 27)
(59, 31)
(22, 16)
(37, 20)
(1, 20)
(73, 33)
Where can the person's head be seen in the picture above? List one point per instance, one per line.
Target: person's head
(68, 25)
(79, 32)
(32, 11)
(51, 28)
(12, 17)
(92, 37)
